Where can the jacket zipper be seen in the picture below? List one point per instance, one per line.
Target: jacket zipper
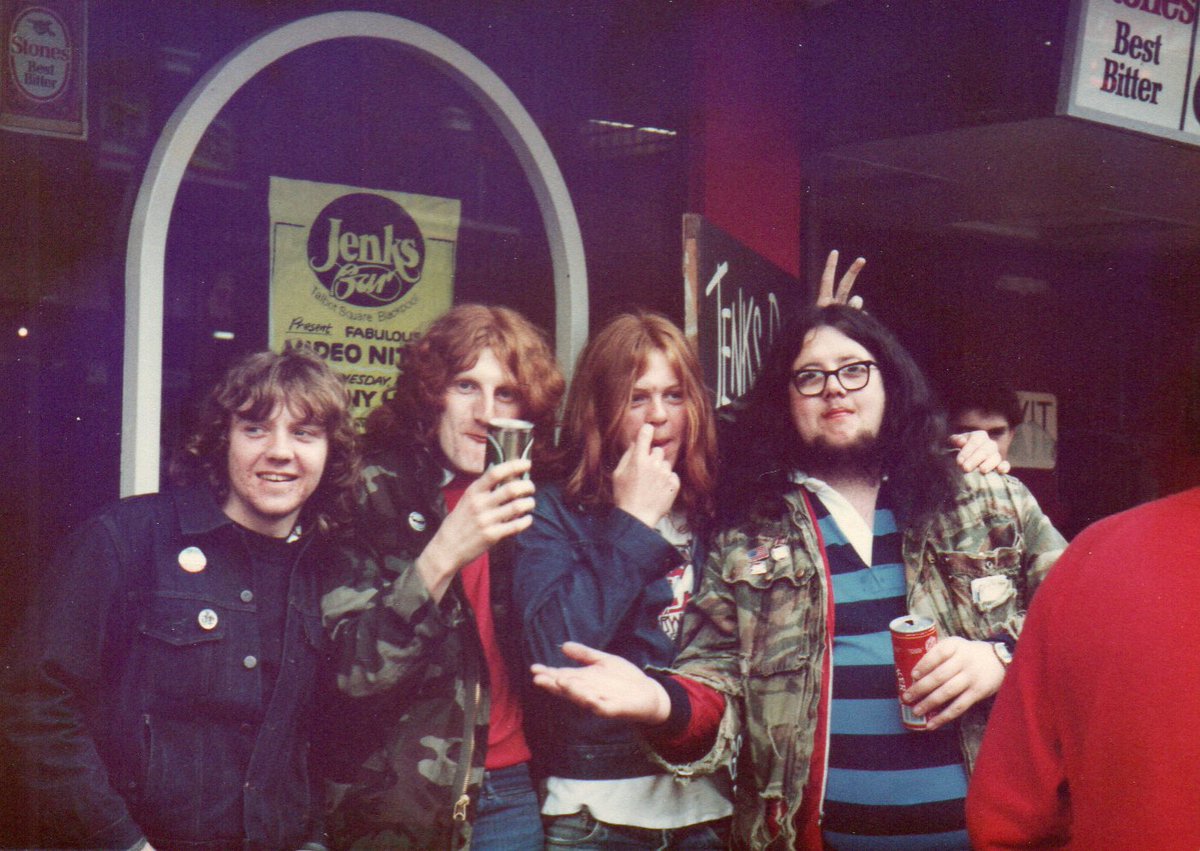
(464, 800)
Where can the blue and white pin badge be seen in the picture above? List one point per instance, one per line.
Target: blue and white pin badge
(192, 559)
(416, 521)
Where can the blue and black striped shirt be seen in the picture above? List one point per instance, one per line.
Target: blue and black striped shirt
(887, 787)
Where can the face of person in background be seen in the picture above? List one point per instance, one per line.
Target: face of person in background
(996, 425)
(274, 466)
(657, 398)
(836, 420)
(474, 396)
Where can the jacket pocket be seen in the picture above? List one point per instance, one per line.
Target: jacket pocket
(179, 762)
(986, 588)
(780, 594)
(184, 639)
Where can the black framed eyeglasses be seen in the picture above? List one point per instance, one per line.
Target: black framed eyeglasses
(852, 376)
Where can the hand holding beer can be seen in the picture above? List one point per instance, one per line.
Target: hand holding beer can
(912, 636)
(508, 440)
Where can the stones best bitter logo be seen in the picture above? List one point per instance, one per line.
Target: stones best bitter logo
(39, 54)
(366, 250)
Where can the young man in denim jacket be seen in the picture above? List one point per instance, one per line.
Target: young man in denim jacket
(159, 695)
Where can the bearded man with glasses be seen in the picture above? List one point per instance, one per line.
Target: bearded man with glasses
(843, 511)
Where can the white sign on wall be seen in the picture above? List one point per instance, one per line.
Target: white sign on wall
(1133, 64)
(1035, 440)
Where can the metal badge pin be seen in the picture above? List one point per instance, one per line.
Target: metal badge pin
(416, 521)
(192, 559)
(207, 619)
(758, 557)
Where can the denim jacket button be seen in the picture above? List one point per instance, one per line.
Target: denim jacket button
(247, 595)
(250, 662)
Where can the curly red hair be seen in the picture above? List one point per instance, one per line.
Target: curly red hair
(450, 345)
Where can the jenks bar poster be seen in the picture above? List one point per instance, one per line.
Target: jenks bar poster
(355, 274)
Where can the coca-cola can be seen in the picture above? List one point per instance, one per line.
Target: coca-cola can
(508, 439)
(912, 636)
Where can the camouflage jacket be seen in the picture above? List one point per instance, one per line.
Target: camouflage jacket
(757, 630)
(407, 732)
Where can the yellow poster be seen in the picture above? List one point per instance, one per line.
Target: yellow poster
(356, 273)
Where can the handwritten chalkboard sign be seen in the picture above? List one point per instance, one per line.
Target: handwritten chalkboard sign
(734, 302)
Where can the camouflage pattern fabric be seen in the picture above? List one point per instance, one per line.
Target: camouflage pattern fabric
(409, 730)
(756, 631)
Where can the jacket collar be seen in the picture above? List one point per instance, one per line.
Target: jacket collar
(197, 509)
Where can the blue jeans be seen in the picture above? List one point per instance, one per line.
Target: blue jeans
(580, 830)
(508, 817)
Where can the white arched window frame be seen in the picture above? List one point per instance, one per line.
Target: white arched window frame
(145, 257)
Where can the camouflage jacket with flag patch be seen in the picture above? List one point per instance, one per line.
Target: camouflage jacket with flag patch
(757, 631)
(407, 731)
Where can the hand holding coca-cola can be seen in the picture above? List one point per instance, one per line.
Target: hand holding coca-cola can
(912, 636)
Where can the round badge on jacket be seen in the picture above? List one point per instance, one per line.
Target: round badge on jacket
(416, 521)
(192, 559)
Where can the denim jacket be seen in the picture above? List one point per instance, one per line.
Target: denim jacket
(596, 576)
(758, 630)
(134, 701)
(408, 732)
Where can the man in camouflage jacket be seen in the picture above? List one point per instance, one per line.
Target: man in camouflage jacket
(407, 735)
(973, 550)
(760, 638)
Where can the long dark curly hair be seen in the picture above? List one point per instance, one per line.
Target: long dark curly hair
(763, 444)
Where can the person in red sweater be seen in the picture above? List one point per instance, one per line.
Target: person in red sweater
(1092, 742)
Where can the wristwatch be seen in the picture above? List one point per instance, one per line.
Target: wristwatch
(1002, 653)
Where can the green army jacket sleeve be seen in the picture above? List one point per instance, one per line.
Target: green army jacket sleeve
(406, 734)
(975, 568)
(756, 629)
(383, 624)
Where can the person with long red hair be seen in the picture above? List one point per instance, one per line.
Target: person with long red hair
(426, 747)
(610, 561)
